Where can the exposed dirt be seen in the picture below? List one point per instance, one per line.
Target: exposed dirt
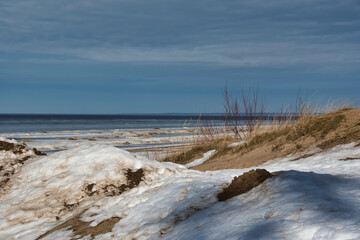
(73, 138)
(323, 132)
(133, 180)
(349, 158)
(15, 156)
(68, 207)
(82, 229)
(15, 148)
(244, 183)
(89, 189)
(37, 152)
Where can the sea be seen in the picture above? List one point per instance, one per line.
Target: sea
(11, 123)
(143, 133)
(51, 133)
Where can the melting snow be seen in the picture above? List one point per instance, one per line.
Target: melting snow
(235, 144)
(200, 161)
(312, 198)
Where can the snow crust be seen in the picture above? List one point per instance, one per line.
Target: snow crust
(317, 197)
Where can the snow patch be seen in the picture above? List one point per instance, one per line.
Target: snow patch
(200, 161)
(235, 144)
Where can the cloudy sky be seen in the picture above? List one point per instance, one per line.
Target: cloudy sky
(160, 56)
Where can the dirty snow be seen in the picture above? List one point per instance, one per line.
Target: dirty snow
(12, 160)
(312, 198)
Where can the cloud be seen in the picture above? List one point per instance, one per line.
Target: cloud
(246, 54)
(224, 33)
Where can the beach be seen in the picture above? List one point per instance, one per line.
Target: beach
(100, 189)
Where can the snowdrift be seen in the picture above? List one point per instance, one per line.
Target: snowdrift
(101, 192)
(12, 156)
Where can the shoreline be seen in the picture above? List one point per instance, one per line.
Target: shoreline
(132, 140)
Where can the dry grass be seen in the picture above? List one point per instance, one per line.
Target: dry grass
(307, 125)
(317, 133)
(278, 139)
(316, 126)
(288, 132)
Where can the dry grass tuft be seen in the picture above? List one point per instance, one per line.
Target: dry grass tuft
(278, 139)
(318, 126)
(289, 132)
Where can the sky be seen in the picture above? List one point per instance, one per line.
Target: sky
(172, 56)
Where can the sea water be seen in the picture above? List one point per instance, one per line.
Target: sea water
(11, 123)
(54, 132)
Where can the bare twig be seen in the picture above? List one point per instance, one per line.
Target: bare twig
(244, 113)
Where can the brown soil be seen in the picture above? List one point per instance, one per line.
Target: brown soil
(15, 148)
(244, 183)
(37, 152)
(82, 229)
(73, 138)
(133, 180)
(322, 132)
(349, 158)
(9, 166)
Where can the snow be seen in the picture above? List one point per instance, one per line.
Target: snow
(200, 161)
(235, 144)
(10, 162)
(8, 140)
(126, 139)
(317, 197)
